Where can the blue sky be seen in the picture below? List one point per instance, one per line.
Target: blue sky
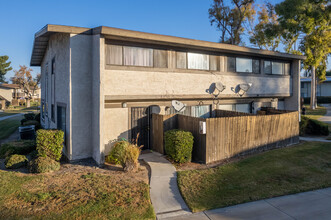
(20, 19)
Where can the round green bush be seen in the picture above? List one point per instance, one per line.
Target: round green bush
(125, 154)
(179, 145)
(16, 161)
(117, 152)
(43, 165)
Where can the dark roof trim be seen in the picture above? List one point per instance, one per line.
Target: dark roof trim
(42, 36)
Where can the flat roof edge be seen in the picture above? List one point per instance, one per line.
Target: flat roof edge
(151, 37)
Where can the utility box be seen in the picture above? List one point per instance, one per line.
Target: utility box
(202, 127)
(27, 132)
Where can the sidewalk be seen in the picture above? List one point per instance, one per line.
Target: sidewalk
(165, 196)
(10, 116)
(308, 205)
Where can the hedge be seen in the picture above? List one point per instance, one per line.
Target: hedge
(50, 143)
(179, 145)
(320, 99)
(313, 127)
(16, 161)
(17, 147)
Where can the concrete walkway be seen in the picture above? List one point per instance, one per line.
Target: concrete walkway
(309, 205)
(327, 117)
(10, 116)
(165, 196)
(314, 139)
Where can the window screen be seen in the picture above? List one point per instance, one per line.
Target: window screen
(114, 55)
(227, 107)
(267, 67)
(200, 111)
(181, 60)
(136, 56)
(231, 64)
(277, 68)
(256, 66)
(243, 108)
(160, 58)
(287, 69)
(213, 62)
(244, 65)
(198, 61)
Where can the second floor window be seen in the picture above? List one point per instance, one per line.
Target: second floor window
(243, 65)
(276, 68)
(136, 56)
(197, 61)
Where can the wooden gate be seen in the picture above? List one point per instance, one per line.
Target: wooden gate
(140, 123)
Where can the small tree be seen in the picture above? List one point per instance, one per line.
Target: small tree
(4, 68)
(27, 83)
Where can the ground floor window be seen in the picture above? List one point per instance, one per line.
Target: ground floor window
(246, 108)
(199, 111)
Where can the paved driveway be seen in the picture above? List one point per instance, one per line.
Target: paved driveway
(309, 205)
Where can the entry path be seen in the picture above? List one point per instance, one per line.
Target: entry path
(308, 205)
(165, 196)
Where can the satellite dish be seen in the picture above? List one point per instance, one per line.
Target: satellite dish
(178, 106)
(245, 87)
(219, 86)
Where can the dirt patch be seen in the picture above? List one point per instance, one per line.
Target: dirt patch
(76, 186)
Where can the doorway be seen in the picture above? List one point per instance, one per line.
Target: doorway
(140, 124)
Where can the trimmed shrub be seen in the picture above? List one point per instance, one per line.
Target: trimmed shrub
(16, 161)
(37, 117)
(130, 158)
(17, 147)
(32, 122)
(117, 152)
(303, 125)
(43, 165)
(125, 154)
(320, 99)
(29, 116)
(23, 121)
(313, 127)
(179, 145)
(50, 143)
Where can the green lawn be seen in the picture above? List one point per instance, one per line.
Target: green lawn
(73, 195)
(9, 126)
(316, 113)
(278, 172)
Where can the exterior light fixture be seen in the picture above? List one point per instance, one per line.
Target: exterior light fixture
(124, 104)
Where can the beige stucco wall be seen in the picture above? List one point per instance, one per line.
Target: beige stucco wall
(123, 82)
(6, 93)
(115, 126)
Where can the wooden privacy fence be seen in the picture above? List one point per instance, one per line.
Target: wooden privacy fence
(230, 134)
